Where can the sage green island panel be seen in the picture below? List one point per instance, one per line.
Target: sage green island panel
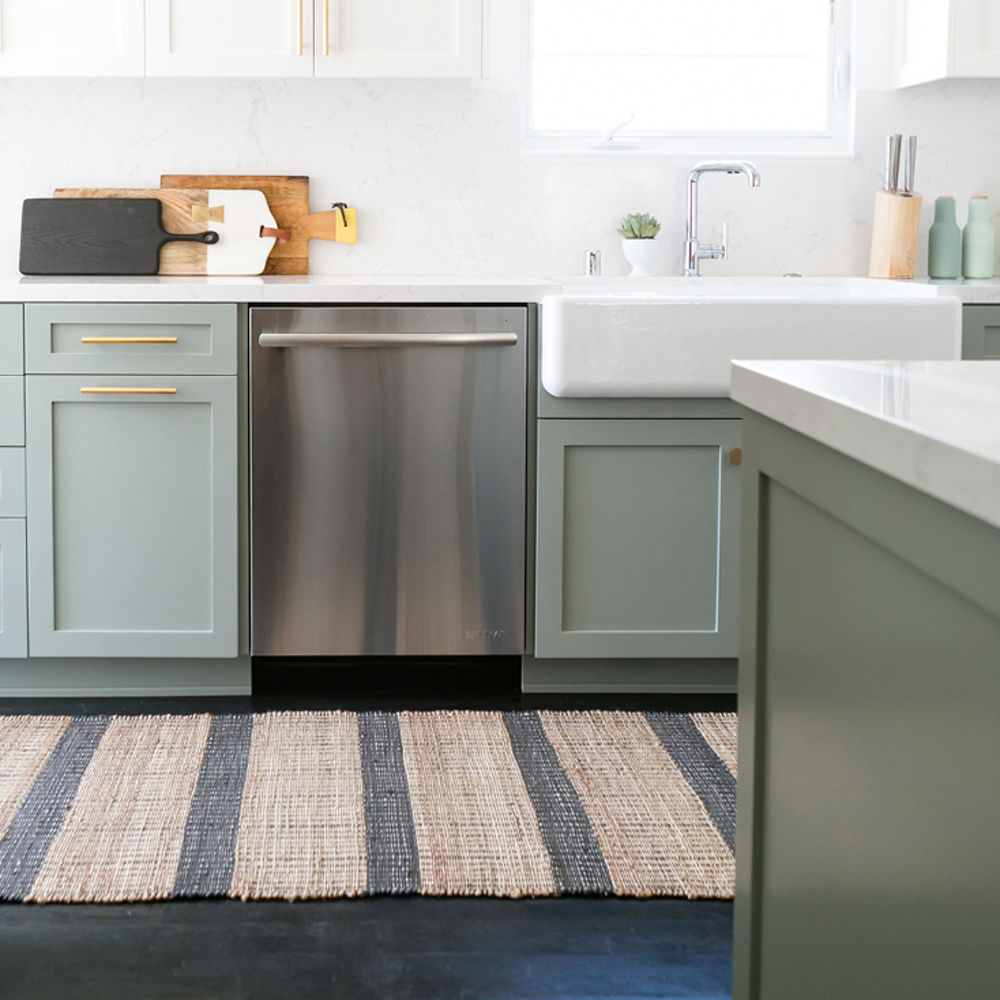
(980, 332)
(134, 526)
(13, 589)
(12, 502)
(637, 538)
(11, 339)
(113, 338)
(869, 800)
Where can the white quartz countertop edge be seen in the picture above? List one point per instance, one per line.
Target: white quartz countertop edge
(944, 468)
(324, 288)
(335, 288)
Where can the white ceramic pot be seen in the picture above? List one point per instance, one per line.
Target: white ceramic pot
(642, 255)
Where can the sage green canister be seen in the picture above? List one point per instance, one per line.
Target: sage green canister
(978, 243)
(944, 242)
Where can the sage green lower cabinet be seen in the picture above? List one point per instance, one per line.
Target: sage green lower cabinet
(133, 515)
(868, 804)
(637, 539)
(980, 332)
(13, 589)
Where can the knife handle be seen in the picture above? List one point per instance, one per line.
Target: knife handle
(206, 237)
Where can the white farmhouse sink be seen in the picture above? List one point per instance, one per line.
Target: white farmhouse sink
(677, 336)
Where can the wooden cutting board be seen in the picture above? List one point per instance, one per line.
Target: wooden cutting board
(96, 236)
(289, 201)
(235, 215)
(288, 198)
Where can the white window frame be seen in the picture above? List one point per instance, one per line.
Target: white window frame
(836, 142)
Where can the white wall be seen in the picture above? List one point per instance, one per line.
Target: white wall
(435, 171)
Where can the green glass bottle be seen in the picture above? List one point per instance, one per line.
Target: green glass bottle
(978, 244)
(944, 242)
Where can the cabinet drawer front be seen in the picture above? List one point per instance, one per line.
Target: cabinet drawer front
(121, 338)
(134, 515)
(12, 482)
(11, 340)
(13, 589)
(11, 409)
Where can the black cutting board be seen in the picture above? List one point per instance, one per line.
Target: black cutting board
(95, 236)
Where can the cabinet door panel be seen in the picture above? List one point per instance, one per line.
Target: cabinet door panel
(229, 38)
(57, 38)
(13, 589)
(133, 533)
(387, 38)
(637, 538)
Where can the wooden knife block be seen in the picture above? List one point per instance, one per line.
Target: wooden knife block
(895, 235)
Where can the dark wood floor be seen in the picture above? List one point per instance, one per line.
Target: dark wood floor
(398, 948)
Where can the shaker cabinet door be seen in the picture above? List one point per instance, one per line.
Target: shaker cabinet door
(638, 537)
(249, 38)
(59, 38)
(133, 527)
(434, 38)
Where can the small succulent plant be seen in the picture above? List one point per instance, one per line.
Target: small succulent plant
(639, 226)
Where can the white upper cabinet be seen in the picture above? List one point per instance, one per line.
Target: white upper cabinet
(57, 38)
(229, 38)
(936, 39)
(398, 38)
(250, 38)
(313, 37)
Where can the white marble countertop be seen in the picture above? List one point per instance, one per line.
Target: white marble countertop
(279, 288)
(934, 425)
(350, 288)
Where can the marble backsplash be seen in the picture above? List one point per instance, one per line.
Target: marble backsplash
(435, 170)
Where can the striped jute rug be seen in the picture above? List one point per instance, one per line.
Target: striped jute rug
(324, 804)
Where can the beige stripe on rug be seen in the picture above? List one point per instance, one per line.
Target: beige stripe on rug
(302, 824)
(476, 829)
(122, 837)
(719, 730)
(25, 745)
(654, 832)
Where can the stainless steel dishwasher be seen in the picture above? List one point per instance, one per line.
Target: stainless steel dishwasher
(387, 480)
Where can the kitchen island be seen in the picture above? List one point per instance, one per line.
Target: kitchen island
(869, 801)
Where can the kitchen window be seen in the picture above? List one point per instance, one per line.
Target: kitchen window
(733, 76)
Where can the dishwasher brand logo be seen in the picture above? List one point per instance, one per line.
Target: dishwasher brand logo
(485, 633)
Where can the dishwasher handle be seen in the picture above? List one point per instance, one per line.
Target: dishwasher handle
(504, 338)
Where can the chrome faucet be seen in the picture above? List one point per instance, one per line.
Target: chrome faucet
(695, 252)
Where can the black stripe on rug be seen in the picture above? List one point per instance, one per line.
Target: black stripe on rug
(209, 852)
(390, 837)
(707, 775)
(43, 810)
(578, 865)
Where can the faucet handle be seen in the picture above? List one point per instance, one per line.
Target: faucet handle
(725, 240)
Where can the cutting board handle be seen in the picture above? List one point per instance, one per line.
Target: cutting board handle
(206, 237)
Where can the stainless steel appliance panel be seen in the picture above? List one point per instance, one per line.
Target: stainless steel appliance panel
(388, 480)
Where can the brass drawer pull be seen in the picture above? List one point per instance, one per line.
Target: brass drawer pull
(735, 456)
(126, 390)
(128, 340)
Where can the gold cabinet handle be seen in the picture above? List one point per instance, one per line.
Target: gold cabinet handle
(735, 456)
(128, 340)
(123, 390)
(326, 27)
(300, 27)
